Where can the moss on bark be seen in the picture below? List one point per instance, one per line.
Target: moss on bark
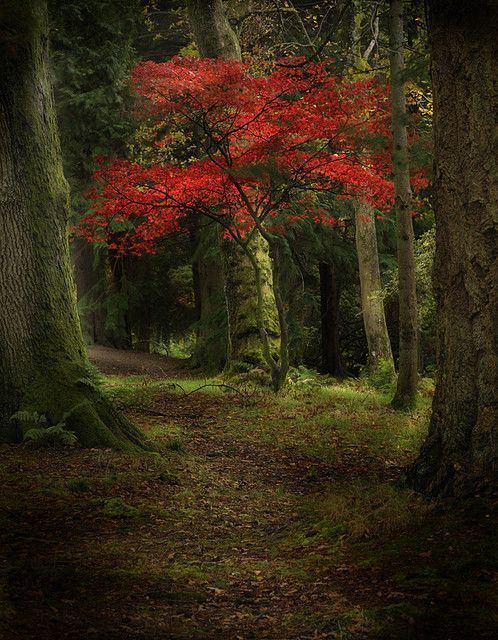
(42, 355)
(245, 350)
(380, 357)
(216, 38)
(406, 388)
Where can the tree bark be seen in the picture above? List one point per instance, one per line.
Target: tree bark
(213, 34)
(245, 349)
(118, 324)
(330, 295)
(89, 281)
(406, 389)
(460, 454)
(372, 304)
(43, 363)
(210, 352)
(215, 37)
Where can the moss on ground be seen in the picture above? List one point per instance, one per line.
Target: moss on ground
(276, 517)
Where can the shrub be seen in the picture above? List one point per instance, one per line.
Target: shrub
(383, 377)
(176, 444)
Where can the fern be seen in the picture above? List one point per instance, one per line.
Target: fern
(56, 436)
(28, 419)
(92, 377)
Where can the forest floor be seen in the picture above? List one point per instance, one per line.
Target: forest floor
(259, 517)
(126, 363)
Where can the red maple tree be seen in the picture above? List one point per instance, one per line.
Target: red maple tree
(267, 145)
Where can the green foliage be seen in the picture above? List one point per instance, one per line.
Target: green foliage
(301, 376)
(359, 510)
(176, 444)
(425, 247)
(92, 52)
(309, 244)
(134, 393)
(92, 378)
(56, 436)
(178, 347)
(37, 435)
(117, 508)
(78, 485)
(29, 419)
(382, 377)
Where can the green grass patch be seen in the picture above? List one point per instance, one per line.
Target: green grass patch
(117, 508)
(78, 485)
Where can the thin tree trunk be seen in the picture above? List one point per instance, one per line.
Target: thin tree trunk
(141, 302)
(372, 304)
(215, 37)
(118, 326)
(89, 281)
(330, 295)
(460, 454)
(406, 389)
(210, 352)
(43, 363)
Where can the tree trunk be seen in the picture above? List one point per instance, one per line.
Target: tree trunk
(215, 37)
(245, 349)
(89, 281)
(118, 323)
(406, 389)
(330, 295)
(372, 304)
(141, 302)
(213, 34)
(460, 454)
(43, 364)
(210, 352)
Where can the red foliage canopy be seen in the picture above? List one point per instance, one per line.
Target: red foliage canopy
(268, 145)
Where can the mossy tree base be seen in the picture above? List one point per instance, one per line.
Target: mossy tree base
(81, 406)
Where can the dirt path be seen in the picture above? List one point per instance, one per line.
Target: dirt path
(124, 363)
(212, 540)
(196, 547)
(195, 561)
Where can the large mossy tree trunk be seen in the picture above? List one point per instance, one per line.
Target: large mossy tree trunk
(43, 364)
(372, 303)
(460, 454)
(245, 348)
(214, 38)
(330, 296)
(406, 388)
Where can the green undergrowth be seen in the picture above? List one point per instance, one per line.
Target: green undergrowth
(141, 391)
(317, 421)
(311, 417)
(290, 509)
(359, 510)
